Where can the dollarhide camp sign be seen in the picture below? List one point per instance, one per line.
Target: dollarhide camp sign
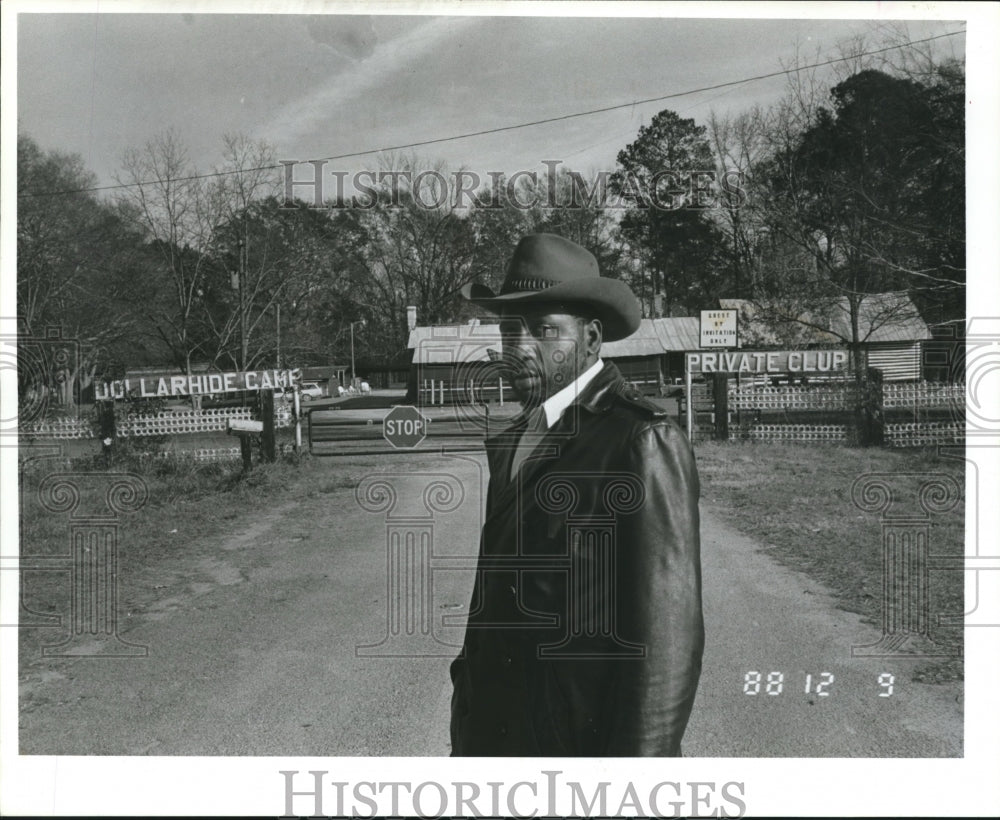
(167, 385)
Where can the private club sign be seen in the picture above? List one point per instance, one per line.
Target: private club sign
(167, 385)
(768, 361)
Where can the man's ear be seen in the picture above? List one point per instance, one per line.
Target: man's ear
(593, 334)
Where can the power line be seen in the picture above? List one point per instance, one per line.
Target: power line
(503, 128)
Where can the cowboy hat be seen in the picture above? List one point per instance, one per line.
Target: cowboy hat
(547, 268)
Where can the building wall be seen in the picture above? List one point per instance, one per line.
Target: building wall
(898, 362)
(644, 372)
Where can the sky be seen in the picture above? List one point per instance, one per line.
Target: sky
(317, 86)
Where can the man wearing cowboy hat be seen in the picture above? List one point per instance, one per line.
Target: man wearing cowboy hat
(585, 629)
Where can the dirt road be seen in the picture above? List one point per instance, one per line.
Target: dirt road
(277, 639)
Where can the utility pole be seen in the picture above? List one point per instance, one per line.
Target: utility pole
(242, 298)
(277, 332)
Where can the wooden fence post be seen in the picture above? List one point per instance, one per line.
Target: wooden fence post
(870, 418)
(875, 406)
(720, 399)
(297, 408)
(108, 431)
(246, 453)
(688, 405)
(267, 416)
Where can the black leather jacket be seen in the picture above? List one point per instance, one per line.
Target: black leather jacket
(585, 630)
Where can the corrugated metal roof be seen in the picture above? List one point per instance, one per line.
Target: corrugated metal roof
(451, 344)
(644, 342)
(678, 333)
(893, 316)
(656, 337)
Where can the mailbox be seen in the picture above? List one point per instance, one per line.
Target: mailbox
(244, 427)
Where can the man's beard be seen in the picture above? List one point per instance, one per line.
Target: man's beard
(532, 385)
(528, 384)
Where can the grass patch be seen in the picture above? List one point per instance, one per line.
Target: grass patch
(186, 503)
(795, 500)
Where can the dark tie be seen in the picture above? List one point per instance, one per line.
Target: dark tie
(530, 438)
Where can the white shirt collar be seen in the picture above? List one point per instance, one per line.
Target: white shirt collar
(556, 405)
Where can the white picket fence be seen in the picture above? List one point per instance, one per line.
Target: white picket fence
(821, 397)
(799, 432)
(58, 429)
(176, 423)
(925, 434)
(895, 395)
(912, 395)
(916, 396)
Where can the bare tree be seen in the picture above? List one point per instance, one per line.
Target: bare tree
(246, 178)
(167, 199)
(421, 249)
(740, 143)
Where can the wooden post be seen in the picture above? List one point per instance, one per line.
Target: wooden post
(688, 403)
(246, 453)
(501, 391)
(267, 416)
(720, 400)
(871, 418)
(739, 415)
(296, 406)
(108, 431)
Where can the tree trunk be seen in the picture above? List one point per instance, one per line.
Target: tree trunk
(267, 416)
(870, 419)
(857, 353)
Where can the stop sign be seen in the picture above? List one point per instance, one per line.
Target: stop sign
(404, 427)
